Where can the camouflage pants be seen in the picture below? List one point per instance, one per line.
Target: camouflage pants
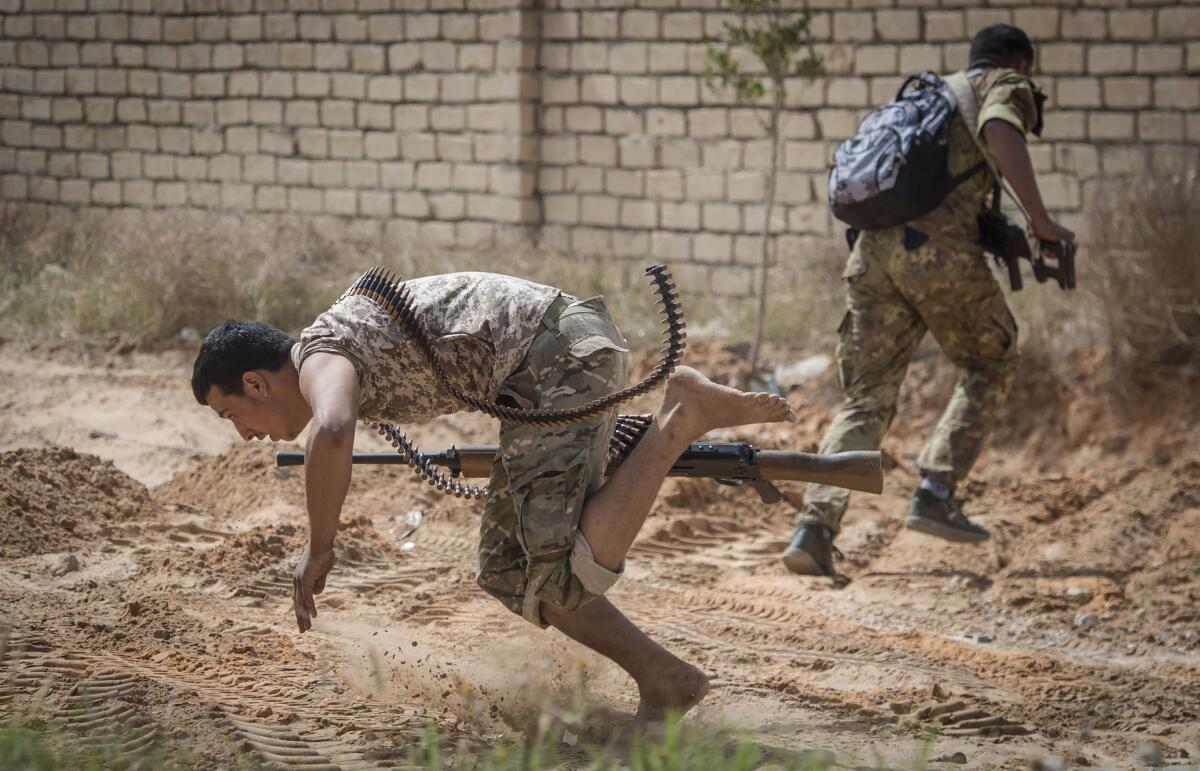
(894, 296)
(530, 547)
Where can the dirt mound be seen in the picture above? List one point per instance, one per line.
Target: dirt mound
(240, 480)
(273, 547)
(51, 497)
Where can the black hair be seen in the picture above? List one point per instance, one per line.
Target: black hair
(1001, 45)
(235, 347)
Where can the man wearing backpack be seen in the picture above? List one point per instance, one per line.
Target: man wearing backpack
(929, 274)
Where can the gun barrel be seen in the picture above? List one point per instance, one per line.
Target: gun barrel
(851, 470)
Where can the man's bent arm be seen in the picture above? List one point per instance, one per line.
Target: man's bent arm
(330, 385)
(1011, 155)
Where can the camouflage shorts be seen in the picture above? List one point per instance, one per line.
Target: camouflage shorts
(530, 547)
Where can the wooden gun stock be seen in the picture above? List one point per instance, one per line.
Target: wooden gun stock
(724, 461)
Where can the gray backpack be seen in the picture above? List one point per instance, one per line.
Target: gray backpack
(895, 168)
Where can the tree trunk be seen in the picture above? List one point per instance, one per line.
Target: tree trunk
(764, 258)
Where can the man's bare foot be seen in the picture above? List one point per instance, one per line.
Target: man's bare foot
(679, 688)
(693, 405)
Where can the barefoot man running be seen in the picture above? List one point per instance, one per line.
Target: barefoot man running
(555, 531)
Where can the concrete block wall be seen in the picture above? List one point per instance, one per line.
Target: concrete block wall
(581, 123)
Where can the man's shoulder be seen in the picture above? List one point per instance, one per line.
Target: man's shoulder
(1000, 84)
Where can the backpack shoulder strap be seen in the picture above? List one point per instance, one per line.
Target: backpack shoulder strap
(968, 107)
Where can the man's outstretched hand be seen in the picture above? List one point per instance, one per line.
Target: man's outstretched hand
(308, 581)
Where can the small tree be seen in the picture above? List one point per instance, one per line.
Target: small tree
(776, 37)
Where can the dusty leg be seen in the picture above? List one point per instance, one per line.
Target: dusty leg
(692, 406)
(664, 680)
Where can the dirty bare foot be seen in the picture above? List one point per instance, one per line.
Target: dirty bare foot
(679, 688)
(693, 405)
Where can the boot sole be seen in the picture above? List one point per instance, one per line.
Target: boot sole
(802, 563)
(930, 527)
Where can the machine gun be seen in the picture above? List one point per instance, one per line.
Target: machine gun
(1008, 245)
(729, 463)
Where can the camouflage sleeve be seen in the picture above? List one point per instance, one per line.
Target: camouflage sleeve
(1009, 99)
(329, 334)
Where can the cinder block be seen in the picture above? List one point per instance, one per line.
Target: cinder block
(306, 200)
(872, 60)
(629, 58)
(280, 26)
(1159, 59)
(477, 56)
(459, 88)
(669, 57)
(898, 25)
(560, 25)
(337, 113)
(747, 186)
(585, 179)
(637, 152)
(837, 124)
(598, 150)
(1131, 24)
(1110, 126)
(680, 153)
(722, 217)
(345, 144)
(1110, 59)
(584, 119)
(421, 27)
(296, 56)
(270, 198)
(421, 88)
(131, 110)
(709, 122)
(1078, 92)
(240, 28)
(725, 155)
(1156, 126)
(1126, 93)
(600, 24)
(368, 58)
(1179, 22)
(328, 173)
(460, 26)
(712, 248)
(806, 156)
(350, 28)
(589, 57)
(664, 184)
(403, 56)
(1177, 93)
(940, 26)
(701, 185)
(385, 28)
(244, 84)
(639, 25)
(638, 214)
(677, 246)
(191, 168)
(853, 26)
(679, 91)
(846, 92)
(374, 116)
(599, 210)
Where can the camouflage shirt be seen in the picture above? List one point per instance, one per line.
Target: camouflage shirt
(1001, 94)
(480, 326)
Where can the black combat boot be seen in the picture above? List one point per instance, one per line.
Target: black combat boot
(811, 551)
(944, 518)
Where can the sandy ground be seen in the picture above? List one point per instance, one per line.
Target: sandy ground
(145, 567)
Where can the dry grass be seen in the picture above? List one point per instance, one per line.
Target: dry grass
(1137, 306)
(143, 277)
